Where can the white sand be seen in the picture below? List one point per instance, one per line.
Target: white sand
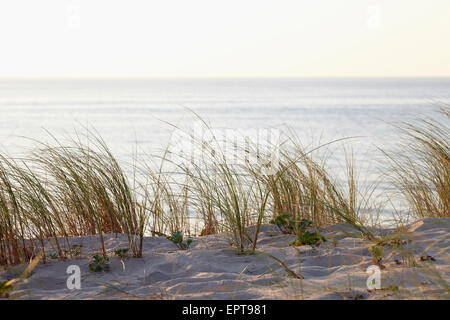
(211, 269)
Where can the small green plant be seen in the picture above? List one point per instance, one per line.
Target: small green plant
(287, 225)
(53, 256)
(177, 239)
(309, 238)
(377, 252)
(282, 221)
(75, 251)
(5, 287)
(377, 255)
(100, 264)
(303, 224)
(121, 253)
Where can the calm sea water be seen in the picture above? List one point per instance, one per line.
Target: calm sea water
(127, 111)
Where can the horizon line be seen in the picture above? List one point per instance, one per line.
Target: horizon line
(90, 77)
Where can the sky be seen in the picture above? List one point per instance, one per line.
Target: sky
(217, 38)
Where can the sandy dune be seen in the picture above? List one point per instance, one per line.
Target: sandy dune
(211, 269)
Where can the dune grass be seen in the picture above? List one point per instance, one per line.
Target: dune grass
(77, 188)
(420, 169)
(64, 191)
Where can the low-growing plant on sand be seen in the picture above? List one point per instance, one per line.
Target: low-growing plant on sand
(282, 221)
(377, 255)
(286, 224)
(99, 264)
(75, 251)
(53, 256)
(308, 238)
(5, 287)
(177, 239)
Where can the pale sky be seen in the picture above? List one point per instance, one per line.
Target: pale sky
(224, 38)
